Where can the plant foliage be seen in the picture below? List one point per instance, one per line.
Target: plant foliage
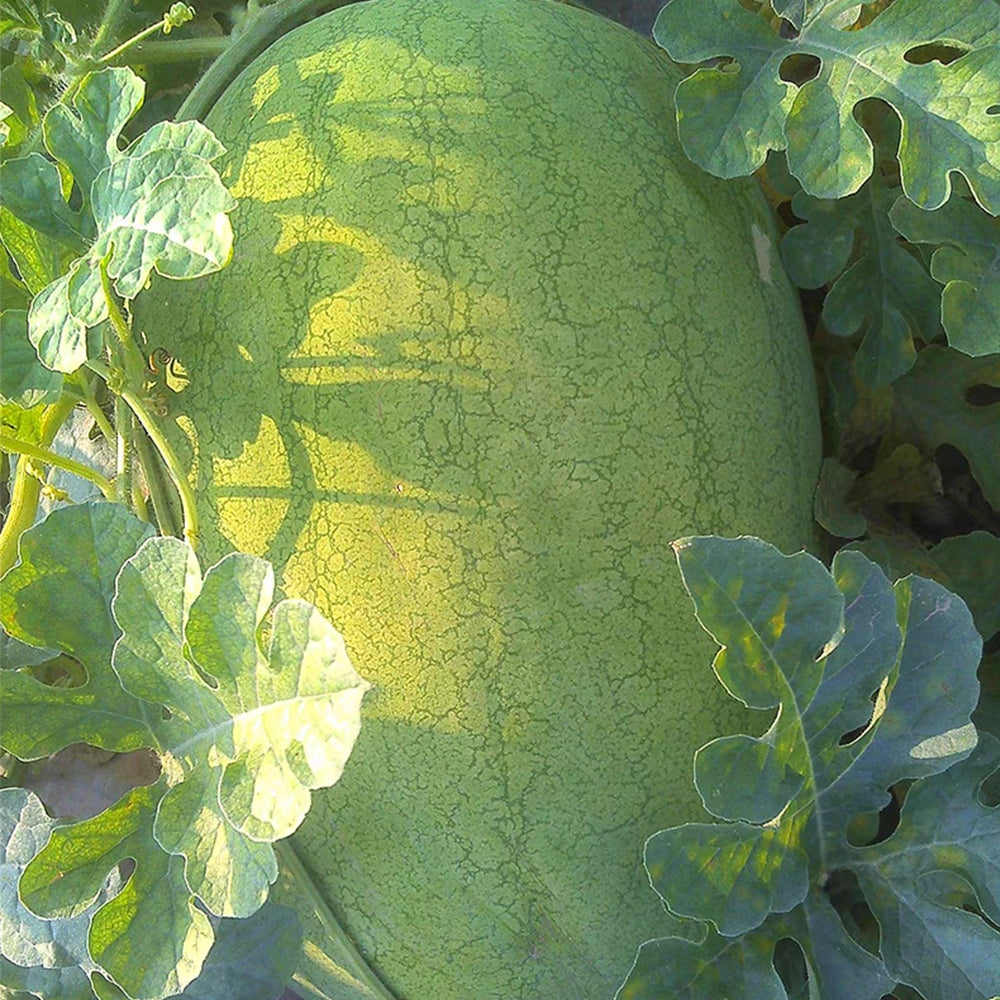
(855, 843)
(243, 729)
(864, 699)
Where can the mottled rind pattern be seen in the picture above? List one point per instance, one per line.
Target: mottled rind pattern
(487, 345)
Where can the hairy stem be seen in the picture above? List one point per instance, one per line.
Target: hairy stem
(93, 407)
(27, 489)
(325, 940)
(189, 506)
(111, 24)
(167, 51)
(169, 518)
(123, 438)
(40, 454)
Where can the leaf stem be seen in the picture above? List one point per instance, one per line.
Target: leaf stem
(93, 407)
(123, 437)
(114, 14)
(27, 489)
(333, 949)
(173, 50)
(168, 518)
(188, 504)
(49, 457)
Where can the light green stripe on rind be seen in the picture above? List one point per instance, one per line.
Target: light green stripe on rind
(487, 346)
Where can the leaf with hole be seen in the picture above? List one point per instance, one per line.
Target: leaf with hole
(939, 402)
(45, 957)
(245, 728)
(871, 684)
(730, 116)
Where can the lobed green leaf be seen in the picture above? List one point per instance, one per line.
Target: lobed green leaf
(883, 292)
(966, 262)
(933, 400)
(158, 205)
(873, 684)
(46, 957)
(729, 117)
(248, 709)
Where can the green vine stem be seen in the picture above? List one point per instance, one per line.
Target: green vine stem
(179, 14)
(26, 489)
(123, 450)
(93, 407)
(334, 953)
(142, 412)
(264, 25)
(169, 518)
(165, 51)
(49, 457)
(189, 507)
(115, 14)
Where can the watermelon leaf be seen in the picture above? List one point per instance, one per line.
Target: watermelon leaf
(730, 116)
(933, 401)
(157, 205)
(83, 136)
(966, 262)
(47, 957)
(247, 711)
(885, 292)
(864, 700)
(23, 381)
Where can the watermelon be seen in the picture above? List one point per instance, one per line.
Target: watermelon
(487, 345)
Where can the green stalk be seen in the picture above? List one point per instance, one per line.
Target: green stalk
(27, 489)
(167, 51)
(132, 361)
(114, 15)
(123, 438)
(49, 457)
(265, 26)
(168, 517)
(329, 959)
(178, 14)
(93, 408)
(189, 506)
(128, 43)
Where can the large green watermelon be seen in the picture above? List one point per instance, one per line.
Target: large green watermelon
(487, 345)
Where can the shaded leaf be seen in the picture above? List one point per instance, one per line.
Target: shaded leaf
(947, 839)
(967, 263)
(63, 315)
(33, 192)
(968, 565)
(251, 959)
(23, 379)
(39, 259)
(77, 550)
(84, 134)
(46, 957)
(933, 400)
(832, 507)
(884, 293)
